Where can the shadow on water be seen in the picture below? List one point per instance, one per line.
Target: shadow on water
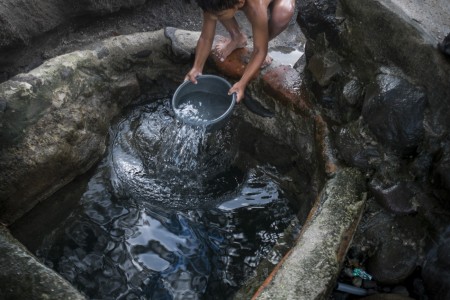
(172, 212)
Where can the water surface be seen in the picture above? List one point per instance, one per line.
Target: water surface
(172, 212)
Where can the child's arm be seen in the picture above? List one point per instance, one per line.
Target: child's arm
(259, 21)
(204, 45)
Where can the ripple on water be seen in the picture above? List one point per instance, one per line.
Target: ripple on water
(168, 215)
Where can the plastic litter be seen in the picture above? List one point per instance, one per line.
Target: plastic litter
(357, 272)
(350, 289)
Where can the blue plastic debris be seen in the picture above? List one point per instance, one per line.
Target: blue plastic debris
(361, 273)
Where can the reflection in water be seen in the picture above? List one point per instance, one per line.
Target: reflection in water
(286, 55)
(168, 215)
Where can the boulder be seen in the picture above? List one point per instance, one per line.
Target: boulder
(397, 198)
(436, 270)
(317, 17)
(394, 246)
(394, 111)
(356, 146)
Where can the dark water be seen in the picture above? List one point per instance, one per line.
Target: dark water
(172, 212)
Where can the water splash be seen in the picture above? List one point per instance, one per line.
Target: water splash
(157, 159)
(202, 107)
(180, 149)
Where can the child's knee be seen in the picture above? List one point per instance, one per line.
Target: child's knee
(283, 18)
(282, 14)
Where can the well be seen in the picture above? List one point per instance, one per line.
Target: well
(57, 119)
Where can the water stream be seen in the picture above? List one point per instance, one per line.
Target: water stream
(172, 212)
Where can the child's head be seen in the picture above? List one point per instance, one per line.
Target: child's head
(214, 6)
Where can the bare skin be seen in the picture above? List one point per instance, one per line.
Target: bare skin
(263, 29)
(225, 46)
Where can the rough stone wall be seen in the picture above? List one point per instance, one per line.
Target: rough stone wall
(378, 74)
(54, 120)
(391, 38)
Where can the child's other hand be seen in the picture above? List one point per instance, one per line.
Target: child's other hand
(239, 89)
(192, 76)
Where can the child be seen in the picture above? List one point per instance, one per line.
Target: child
(268, 18)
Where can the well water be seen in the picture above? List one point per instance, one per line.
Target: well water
(172, 212)
(201, 107)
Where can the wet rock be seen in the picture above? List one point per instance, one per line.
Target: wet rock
(283, 83)
(318, 16)
(436, 270)
(394, 245)
(324, 67)
(393, 263)
(397, 198)
(444, 46)
(356, 146)
(352, 93)
(350, 99)
(24, 277)
(374, 34)
(442, 168)
(421, 166)
(394, 110)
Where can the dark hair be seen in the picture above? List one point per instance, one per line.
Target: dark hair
(216, 5)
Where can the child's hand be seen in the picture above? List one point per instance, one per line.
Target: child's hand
(192, 76)
(239, 89)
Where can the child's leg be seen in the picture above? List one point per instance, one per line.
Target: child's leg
(281, 12)
(237, 39)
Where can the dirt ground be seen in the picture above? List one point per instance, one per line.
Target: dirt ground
(82, 32)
